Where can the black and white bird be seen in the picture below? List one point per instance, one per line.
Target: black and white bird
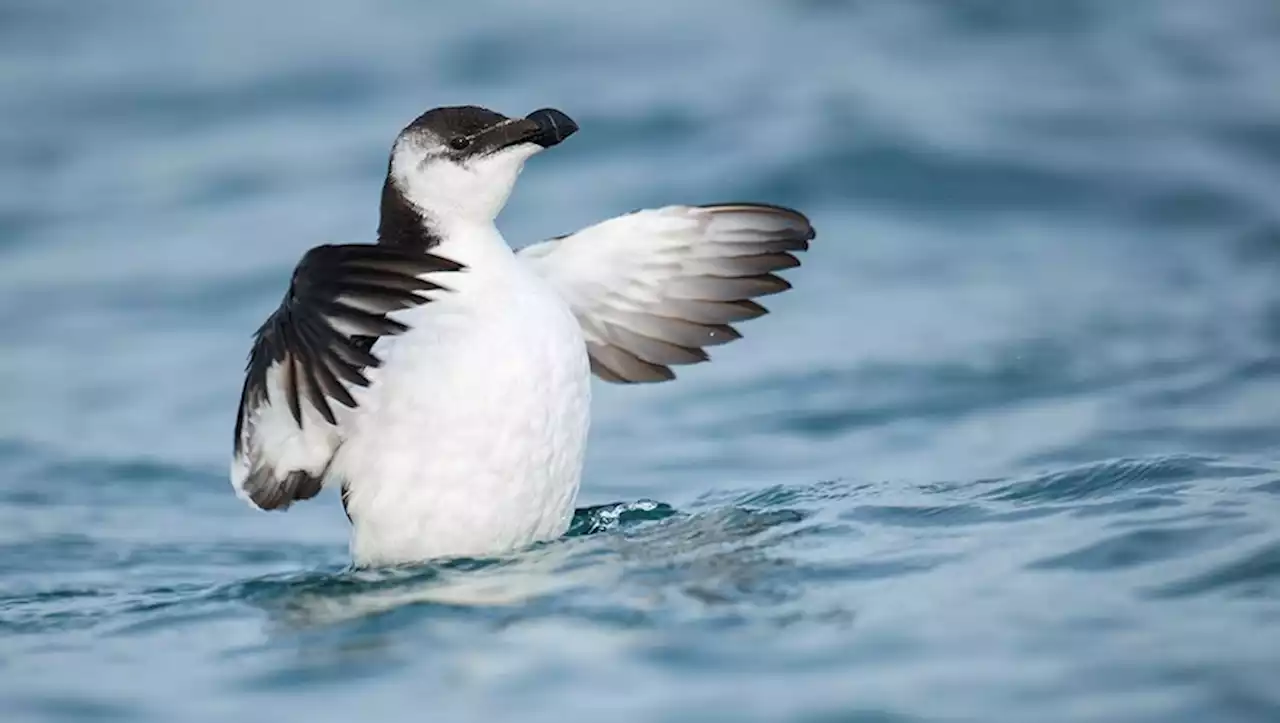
(441, 380)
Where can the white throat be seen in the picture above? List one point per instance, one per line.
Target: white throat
(451, 193)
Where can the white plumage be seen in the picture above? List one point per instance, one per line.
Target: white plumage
(472, 436)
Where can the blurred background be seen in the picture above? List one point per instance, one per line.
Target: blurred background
(1008, 451)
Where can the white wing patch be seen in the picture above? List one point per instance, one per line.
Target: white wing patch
(277, 460)
(653, 288)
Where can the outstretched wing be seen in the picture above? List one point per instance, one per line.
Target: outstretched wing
(653, 288)
(309, 355)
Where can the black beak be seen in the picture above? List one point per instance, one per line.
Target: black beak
(546, 127)
(553, 126)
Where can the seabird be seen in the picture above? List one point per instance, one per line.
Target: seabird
(442, 381)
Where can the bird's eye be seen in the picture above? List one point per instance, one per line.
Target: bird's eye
(458, 143)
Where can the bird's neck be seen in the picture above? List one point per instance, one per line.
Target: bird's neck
(468, 241)
(402, 224)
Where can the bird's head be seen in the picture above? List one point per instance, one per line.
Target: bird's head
(460, 163)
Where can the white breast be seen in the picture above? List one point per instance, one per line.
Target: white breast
(471, 438)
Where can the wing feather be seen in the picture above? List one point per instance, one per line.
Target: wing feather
(652, 289)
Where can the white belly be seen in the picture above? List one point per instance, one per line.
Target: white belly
(470, 440)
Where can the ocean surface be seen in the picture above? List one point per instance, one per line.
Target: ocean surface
(1008, 451)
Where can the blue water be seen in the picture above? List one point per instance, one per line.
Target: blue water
(1009, 451)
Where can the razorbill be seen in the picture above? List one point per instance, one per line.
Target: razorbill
(441, 380)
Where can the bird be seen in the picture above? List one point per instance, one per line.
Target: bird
(441, 380)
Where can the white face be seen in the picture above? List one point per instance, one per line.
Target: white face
(449, 186)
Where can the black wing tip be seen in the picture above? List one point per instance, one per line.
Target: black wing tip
(653, 373)
(807, 234)
(786, 261)
(271, 494)
(662, 373)
(777, 284)
(753, 307)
